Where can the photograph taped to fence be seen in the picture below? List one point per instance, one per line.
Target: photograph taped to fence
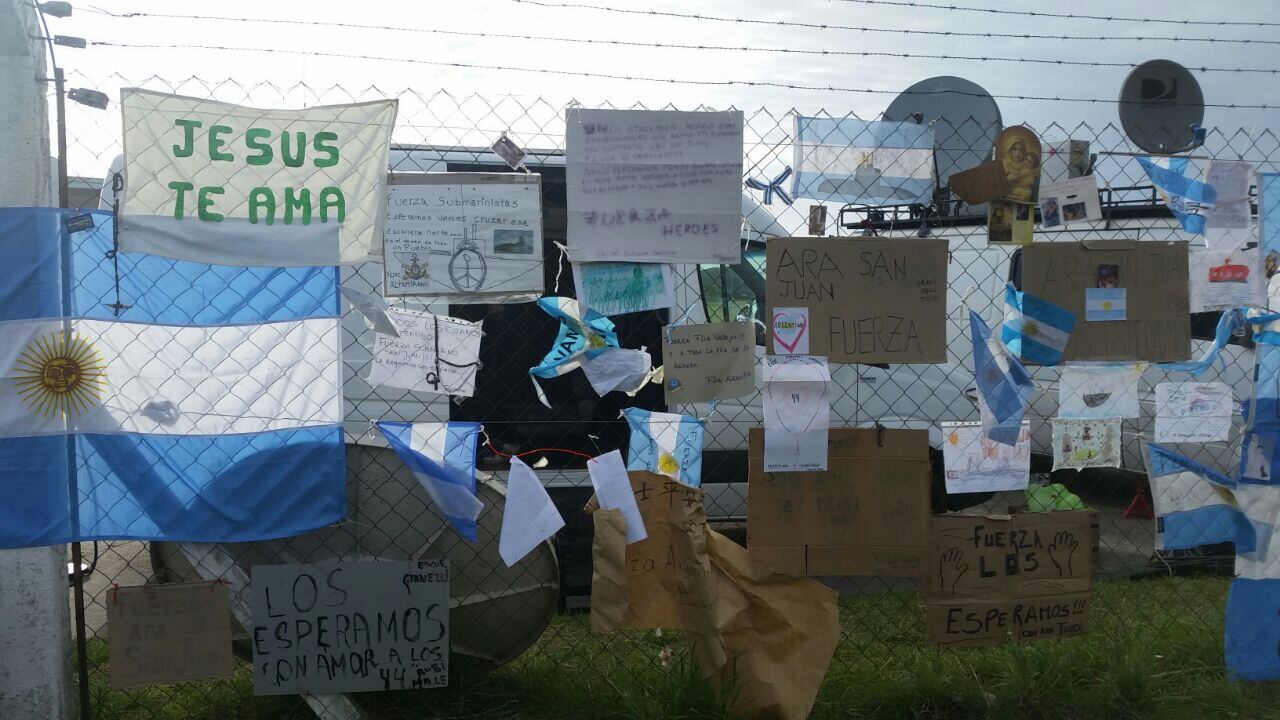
(471, 237)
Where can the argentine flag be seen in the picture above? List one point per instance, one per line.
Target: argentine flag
(1035, 330)
(667, 444)
(1185, 197)
(1194, 505)
(442, 456)
(146, 398)
(1004, 387)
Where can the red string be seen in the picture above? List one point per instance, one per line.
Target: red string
(499, 453)
(219, 581)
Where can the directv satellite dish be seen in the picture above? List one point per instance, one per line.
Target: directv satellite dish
(1159, 102)
(966, 120)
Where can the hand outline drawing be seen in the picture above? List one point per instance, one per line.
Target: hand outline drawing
(1061, 551)
(951, 567)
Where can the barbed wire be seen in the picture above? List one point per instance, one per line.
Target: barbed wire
(1064, 16)
(659, 45)
(896, 31)
(637, 78)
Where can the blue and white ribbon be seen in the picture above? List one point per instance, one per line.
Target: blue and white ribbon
(772, 187)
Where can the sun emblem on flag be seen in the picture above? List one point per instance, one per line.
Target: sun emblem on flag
(59, 374)
(667, 464)
(1030, 328)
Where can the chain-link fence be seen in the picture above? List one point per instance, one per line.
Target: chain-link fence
(526, 622)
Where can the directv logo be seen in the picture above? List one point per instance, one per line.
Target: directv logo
(1158, 92)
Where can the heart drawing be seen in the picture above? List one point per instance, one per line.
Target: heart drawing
(789, 330)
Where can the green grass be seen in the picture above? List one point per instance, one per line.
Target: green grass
(1154, 650)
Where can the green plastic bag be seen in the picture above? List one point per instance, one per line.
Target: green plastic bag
(1046, 498)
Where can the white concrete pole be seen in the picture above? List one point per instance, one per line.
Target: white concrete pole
(35, 636)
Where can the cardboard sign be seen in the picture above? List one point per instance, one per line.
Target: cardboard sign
(867, 515)
(168, 634)
(706, 362)
(654, 185)
(225, 184)
(1157, 321)
(868, 300)
(471, 237)
(342, 627)
(1027, 576)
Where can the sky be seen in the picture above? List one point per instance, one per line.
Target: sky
(107, 67)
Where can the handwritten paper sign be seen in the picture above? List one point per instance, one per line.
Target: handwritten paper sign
(473, 237)
(1193, 412)
(867, 515)
(711, 361)
(654, 185)
(617, 288)
(869, 300)
(168, 634)
(213, 182)
(975, 463)
(412, 362)
(343, 627)
(1027, 576)
(1155, 324)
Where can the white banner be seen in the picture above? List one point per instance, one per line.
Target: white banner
(472, 237)
(434, 354)
(224, 184)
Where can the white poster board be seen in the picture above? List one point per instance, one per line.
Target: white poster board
(343, 627)
(470, 237)
(1193, 412)
(654, 185)
(797, 412)
(975, 463)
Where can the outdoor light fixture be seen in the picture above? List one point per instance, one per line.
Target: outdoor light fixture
(69, 41)
(55, 9)
(92, 98)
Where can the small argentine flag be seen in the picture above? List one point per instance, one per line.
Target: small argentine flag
(1035, 330)
(442, 457)
(667, 444)
(1194, 505)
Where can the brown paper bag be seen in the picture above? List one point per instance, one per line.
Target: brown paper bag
(777, 634)
(608, 570)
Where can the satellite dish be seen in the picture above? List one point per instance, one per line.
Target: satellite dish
(1159, 102)
(966, 120)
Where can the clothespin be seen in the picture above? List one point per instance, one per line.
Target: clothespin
(1198, 135)
(879, 434)
(115, 593)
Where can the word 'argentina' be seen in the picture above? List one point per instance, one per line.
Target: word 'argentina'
(219, 144)
(816, 276)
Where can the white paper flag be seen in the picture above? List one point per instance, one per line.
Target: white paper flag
(613, 492)
(797, 412)
(528, 517)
